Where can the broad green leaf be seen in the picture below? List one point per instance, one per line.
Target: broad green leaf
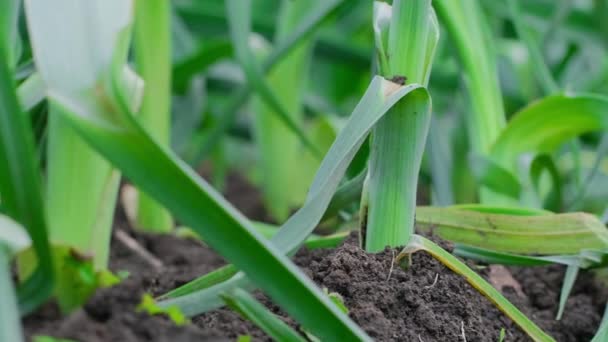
(380, 96)
(560, 233)
(544, 125)
(244, 303)
(419, 243)
(519, 211)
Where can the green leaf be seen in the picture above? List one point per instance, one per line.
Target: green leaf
(568, 283)
(541, 69)
(380, 96)
(418, 243)
(308, 25)
(542, 234)
(544, 125)
(467, 27)
(242, 302)
(20, 184)
(157, 171)
(502, 335)
(153, 61)
(40, 338)
(226, 272)
(239, 19)
(212, 278)
(544, 162)
(338, 300)
(494, 177)
(518, 211)
(149, 306)
(281, 164)
(398, 139)
(205, 55)
(602, 333)
(491, 257)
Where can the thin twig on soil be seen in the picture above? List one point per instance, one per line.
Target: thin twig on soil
(390, 271)
(428, 287)
(138, 249)
(464, 337)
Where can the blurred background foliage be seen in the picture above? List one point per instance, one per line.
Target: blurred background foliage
(572, 36)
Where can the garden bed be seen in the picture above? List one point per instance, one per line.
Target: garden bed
(425, 303)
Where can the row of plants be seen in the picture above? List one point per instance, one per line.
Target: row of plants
(496, 111)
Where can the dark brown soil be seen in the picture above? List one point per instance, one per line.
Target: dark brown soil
(425, 303)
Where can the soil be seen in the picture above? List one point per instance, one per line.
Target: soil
(425, 303)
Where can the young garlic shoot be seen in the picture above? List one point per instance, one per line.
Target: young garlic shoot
(406, 36)
(74, 46)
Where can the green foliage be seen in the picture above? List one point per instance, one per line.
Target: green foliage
(20, 184)
(406, 37)
(245, 304)
(40, 338)
(149, 306)
(69, 111)
(153, 60)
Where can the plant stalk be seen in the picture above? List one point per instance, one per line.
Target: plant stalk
(278, 148)
(81, 193)
(398, 139)
(153, 60)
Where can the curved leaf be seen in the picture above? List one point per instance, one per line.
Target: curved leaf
(20, 184)
(420, 243)
(546, 124)
(251, 309)
(380, 96)
(304, 30)
(568, 233)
